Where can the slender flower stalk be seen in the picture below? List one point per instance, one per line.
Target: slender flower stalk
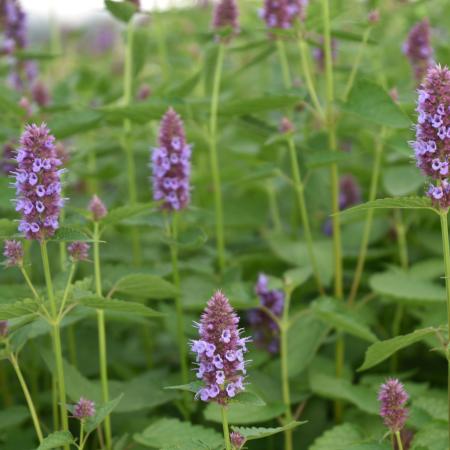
(98, 211)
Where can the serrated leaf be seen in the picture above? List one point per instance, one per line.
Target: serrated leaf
(382, 350)
(371, 102)
(18, 309)
(121, 10)
(337, 315)
(112, 304)
(252, 433)
(431, 437)
(101, 413)
(69, 234)
(433, 404)
(56, 439)
(392, 203)
(125, 212)
(169, 432)
(248, 398)
(67, 124)
(340, 437)
(145, 286)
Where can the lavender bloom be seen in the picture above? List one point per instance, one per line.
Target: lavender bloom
(78, 251)
(226, 16)
(40, 94)
(97, 209)
(104, 40)
(418, 49)
(432, 144)
(13, 252)
(144, 92)
(319, 53)
(237, 440)
(265, 330)
(4, 328)
(83, 409)
(38, 184)
(283, 13)
(8, 162)
(374, 16)
(171, 164)
(393, 397)
(220, 352)
(286, 126)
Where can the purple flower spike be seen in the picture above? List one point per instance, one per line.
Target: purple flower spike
(226, 15)
(83, 409)
(319, 53)
(237, 440)
(432, 144)
(286, 126)
(265, 331)
(4, 328)
(283, 13)
(40, 94)
(78, 251)
(13, 252)
(350, 192)
(418, 49)
(393, 397)
(97, 209)
(171, 164)
(220, 352)
(38, 183)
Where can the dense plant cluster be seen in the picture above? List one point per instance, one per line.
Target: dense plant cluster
(219, 232)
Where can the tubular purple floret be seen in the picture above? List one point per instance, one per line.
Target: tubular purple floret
(393, 397)
(283, 13)
(226, 15)
(83, 409)
(78, 251)
(13, 252)
(97, 209)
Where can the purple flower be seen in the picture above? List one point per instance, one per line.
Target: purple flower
(145, 91)
(237, 440)
(283, 13)
(374, 16)
(418, 49)
(225, 16)
(97, 209)
(432, 144)
(350, 192)
(40, 94)
(4, 328)
(393, 397)
(286, 126)
(265, 331)
(7, 162)
(220, 352)
(38, 183)
(13, 252)
(83, 409)
(171, 164)
(78, 251)
(319, 53)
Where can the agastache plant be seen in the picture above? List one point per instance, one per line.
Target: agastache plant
(220, 355)
(393, 397)
(225, 18)
(418, 49)
(266, 332)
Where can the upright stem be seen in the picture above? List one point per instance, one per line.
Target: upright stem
(226, 430)
(56, 336)
(220, 236)
(284, 329)
(182, 343)
(274, 209)
(81, 445)
(29, 282)
(369, 219)
(101, 335)
(284, 64)
(399, 440)
(126, 139)
(446, 251)
(26, 393)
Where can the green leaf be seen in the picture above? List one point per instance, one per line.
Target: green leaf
(245, 106)
(122, 10)
(334, 313)
(316, 159)
(431, 437)
(145, 286)
(402, 180)
(435, 405)
(244, 414)
(380, 351)
(18, 309)
(126, 212)
(68, 234)
(7, 228)
(248, 398)
(67, 124)
(391, 203)
(13, 416)
(170, 432)
(57, 439)
(371, 102)
(253, 433)
(112, 304)
(101, 413)
(340, 437)
(190, 387)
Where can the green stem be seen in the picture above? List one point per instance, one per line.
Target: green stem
(274, 209)
(306, 70)
(29, 282)
(287, 81)
(220, 237)
(56, 336)
(369, 219)
(284, 329)
(356, 64)
(26, 393)
(126, 140)
(81, 445)
(67, 289)
(399, 440)
(101, 335)
(299, 190)
(172, 230)
(226, 430)
(446, 251)
(72, 342)
(55, 412)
